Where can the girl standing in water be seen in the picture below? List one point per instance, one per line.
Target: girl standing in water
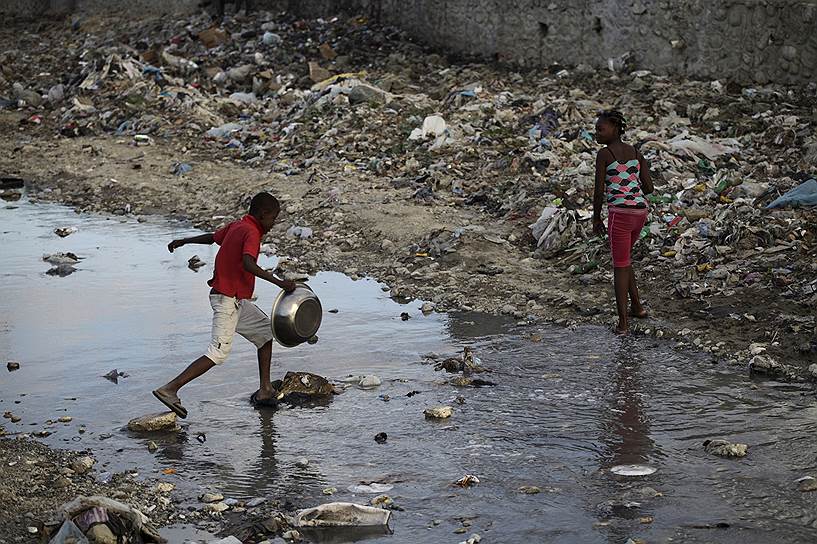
(622, 179)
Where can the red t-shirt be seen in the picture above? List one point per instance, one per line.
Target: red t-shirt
(239, 238)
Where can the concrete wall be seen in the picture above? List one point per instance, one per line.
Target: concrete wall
(750, 41)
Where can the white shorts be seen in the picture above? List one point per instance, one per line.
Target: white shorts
(230, 316)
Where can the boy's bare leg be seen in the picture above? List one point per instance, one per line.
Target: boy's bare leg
(636, 308)
(621, 285)
(193, 371)
(264, 361)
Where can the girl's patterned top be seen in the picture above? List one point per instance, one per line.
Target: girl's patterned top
(623, 186)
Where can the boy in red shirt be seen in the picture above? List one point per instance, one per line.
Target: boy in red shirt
(232, 285)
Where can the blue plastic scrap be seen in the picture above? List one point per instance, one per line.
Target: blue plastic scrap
(804, 194)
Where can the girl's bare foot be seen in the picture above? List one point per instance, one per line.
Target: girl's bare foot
(640, 313)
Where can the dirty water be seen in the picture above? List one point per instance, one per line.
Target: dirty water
(569, 404)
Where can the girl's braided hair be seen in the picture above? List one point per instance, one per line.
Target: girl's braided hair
(615, 117)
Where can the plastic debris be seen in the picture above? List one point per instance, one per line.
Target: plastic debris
(804, 194)
(342, 514)
(633, 470)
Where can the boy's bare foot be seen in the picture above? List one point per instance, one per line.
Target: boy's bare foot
(265, 397)
(171, 400)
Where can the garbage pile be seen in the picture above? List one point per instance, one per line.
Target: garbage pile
(103, 520)
(342, 99)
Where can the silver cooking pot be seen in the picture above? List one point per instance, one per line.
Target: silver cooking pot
(296, 316)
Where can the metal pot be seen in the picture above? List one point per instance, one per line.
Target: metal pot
(296, 316)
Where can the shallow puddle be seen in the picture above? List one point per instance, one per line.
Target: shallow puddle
(569, 404)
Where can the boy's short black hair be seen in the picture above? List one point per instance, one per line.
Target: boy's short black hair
(616, 118)
(264, 202)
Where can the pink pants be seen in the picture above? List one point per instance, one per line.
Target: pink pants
(624, 227)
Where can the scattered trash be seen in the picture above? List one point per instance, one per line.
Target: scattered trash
(226, 540)
(11, 366)
(467, 481)
(194, 263)
(342, 514)
(370, 488)
(302, 462)
(381, 438)
(103, 520)
(804, 194)
(213, 37)
(369, 382)
(181, 168)
(62, 232)
(270, 38)
(165, 487)
(633, 470)
(114, 375)
(299, 232)
(724, 448)
(467, 363)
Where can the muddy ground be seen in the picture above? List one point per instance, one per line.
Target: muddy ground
(386, 207)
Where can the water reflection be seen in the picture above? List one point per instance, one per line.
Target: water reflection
(626, 440)
(627, 428)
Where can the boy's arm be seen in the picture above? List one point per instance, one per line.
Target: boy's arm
(252, 267)
(200, 239)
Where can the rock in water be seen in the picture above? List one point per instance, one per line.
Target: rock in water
(530, 490)
(61, 258)
(725, 449)
(807, 484)
(162, 421)
(211, 497)
(299, 387)
(439, 412)
(61, 270)
(217, 507)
